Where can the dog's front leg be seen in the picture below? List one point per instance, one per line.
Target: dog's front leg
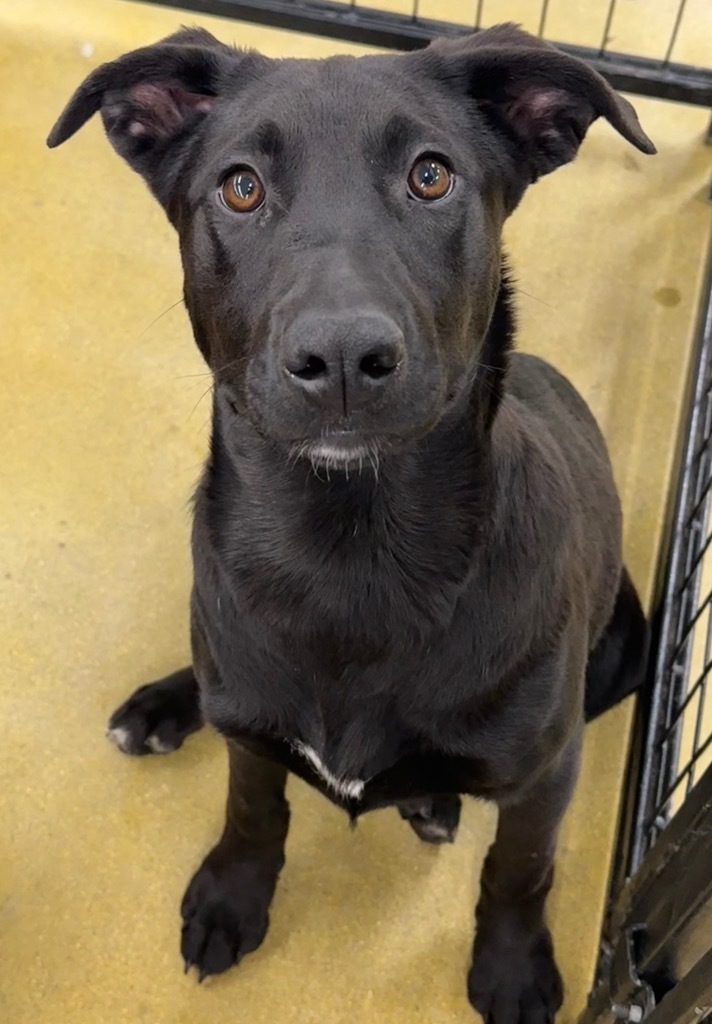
(226, 907)
(514, 978)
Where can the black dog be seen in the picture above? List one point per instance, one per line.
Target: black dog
(407, 541)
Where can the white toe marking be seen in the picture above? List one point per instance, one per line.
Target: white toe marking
(436, 830)
(158, 746)
(350, 789)
(121, 737)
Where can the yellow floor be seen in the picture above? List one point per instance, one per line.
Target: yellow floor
(99, 400)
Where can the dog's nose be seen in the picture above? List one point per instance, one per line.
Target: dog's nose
(343, 362)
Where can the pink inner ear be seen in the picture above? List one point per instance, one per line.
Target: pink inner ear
(542, 101)
(160, 110)
(534, 105)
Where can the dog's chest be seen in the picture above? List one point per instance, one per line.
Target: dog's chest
(347, 741)
(360, 751)
(374, 727)
(333, 732)
(347, 789)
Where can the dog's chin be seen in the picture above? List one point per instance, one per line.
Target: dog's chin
(341, 452)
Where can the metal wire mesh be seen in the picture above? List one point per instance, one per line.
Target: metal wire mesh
(600, 18)
(678, 746)
(595, 23)
(650, 48)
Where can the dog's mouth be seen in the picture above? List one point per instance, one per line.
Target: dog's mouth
(342, 450)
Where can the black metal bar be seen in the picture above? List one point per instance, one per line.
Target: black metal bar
(661, 921)
(704, 444)
(708, 412)
(691, 692)
(701, 683)
(690, 625)
(478, 22)
(702, 482)
(675, 31)
(699, 718)
(680, 777)
(690, 1001)
(402, 32)
(697, 559)
(672, 899)
(706, 487)
(542, 17)
(607, 27)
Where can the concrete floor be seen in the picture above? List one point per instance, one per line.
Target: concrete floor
(102, 395)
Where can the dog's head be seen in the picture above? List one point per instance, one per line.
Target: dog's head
(340, 220)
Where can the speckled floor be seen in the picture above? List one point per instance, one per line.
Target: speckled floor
(102, 394)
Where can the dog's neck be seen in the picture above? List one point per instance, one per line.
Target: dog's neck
(362, 557)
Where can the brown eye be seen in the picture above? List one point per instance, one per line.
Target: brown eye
(429, 178)
(242, 190)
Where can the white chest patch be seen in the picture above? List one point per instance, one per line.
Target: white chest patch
(350, 789)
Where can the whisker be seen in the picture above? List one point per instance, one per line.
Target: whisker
(530, 296)
(374, 459)
(155, 321)
(192, 411)
(486, 366)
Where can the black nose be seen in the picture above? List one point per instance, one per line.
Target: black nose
(343, 362)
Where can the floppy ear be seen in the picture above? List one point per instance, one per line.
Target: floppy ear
(152, 100)
(541, 99)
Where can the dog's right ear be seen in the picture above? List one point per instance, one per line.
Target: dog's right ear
(538, 100)
(153, 99)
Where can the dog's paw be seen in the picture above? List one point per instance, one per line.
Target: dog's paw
(434, 819)
(515, 981)
(225, 915)
(158, 717)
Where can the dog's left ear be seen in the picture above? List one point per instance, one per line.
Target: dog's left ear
(541, 99)
(153, 99)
